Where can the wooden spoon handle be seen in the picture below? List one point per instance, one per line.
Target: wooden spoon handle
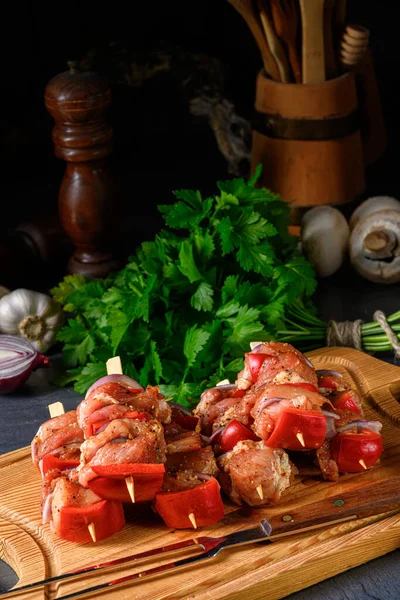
(274, 44)
(246, 10)
(313, 62)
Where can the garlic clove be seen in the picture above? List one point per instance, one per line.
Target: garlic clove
(324, 239)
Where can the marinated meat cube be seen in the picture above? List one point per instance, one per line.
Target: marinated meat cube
(255, 474)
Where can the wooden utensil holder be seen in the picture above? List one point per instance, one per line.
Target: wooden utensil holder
(307, 137)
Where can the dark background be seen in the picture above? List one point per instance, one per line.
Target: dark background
(158, 145)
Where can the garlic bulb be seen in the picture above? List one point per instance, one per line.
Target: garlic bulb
(3, 291)
(32, 315)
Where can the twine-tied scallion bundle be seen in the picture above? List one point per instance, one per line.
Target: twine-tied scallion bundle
(307, 332)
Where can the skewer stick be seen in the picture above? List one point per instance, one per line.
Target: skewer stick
(260, 492)
(114, 366)
(193, 520)
(56, 409)
(301, 439)
(92, 531)
(362, 463)
(131, 487)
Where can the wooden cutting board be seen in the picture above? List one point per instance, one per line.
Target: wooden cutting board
(258, 571)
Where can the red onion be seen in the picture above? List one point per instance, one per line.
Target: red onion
(115, 378)
(201, 476)
(216, 434)
(227, 387)
(18, 358)
(327, 413)
(323, 372)
(374, 426)
(181, 408)
(47, 512)
(265, 402)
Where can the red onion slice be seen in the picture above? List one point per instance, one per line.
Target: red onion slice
(227, 387)
(374, 426)
(181, 408)
(330, 428)
(323, 372)
(216, 434)
(115, 378)
(47, 509)
(267, 402)
(327, 413)
(201, 476)
(18, 358)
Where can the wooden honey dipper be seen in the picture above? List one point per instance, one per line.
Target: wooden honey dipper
(353, 45)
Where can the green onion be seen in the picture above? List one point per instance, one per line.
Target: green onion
(307, 332)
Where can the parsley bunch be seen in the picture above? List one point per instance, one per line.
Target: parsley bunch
(184, 309)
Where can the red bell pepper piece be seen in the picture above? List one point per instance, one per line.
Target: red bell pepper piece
(204, 502)
(233, 433)
(303, 384)
(50, 461)
(141, 416)
(111, 482)
(238, 393)
(346, 401)
(292, 423)
(255, 360)
(72, 521)
(348, 449)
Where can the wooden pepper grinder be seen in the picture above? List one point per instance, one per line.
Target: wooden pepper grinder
(88, 198)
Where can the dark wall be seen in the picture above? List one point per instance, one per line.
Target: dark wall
(158, 147)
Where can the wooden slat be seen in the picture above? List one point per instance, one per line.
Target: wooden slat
(259, 571)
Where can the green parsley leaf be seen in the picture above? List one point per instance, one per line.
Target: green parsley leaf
(202, 299)
(194, 341)
(187, 264)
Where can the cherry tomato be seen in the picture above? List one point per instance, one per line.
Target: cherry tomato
(348, 449)
(255, 362)
(346, 401)
(233, 433)
(294, 426)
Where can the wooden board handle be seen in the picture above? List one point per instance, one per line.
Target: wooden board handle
(379, 497)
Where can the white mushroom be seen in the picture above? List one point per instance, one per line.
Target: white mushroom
(372, 205)
(374, 246)
(324, 239)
